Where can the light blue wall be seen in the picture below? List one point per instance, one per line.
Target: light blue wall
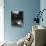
(29, 7)
(43, 6)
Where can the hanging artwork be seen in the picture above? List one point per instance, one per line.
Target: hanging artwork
(17, 18)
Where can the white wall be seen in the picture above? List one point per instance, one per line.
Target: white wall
(1, 20)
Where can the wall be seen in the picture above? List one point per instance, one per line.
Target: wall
(29, 7)
(43, 6)
(1, 21)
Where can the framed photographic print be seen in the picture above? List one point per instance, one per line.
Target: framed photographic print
(17, 18)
